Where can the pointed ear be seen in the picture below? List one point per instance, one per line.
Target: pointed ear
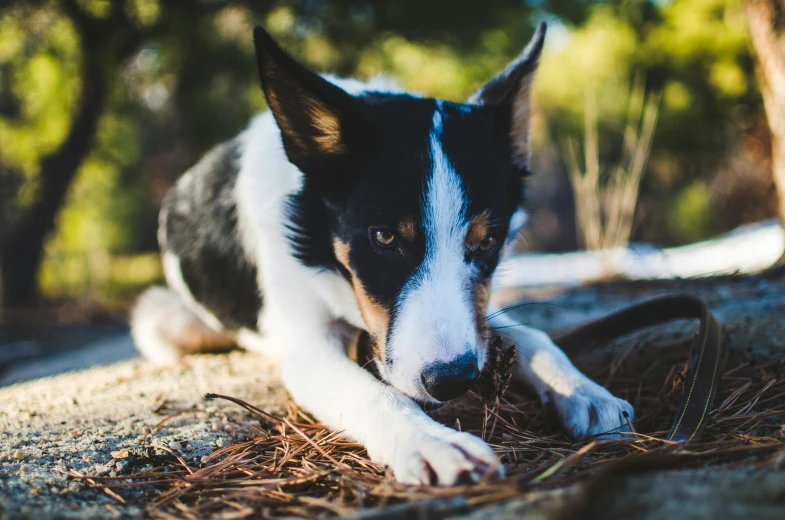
(310, 111)
(511, 91)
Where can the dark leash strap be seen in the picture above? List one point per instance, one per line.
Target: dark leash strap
(708, 353)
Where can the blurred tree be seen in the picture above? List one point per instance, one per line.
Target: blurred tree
(84, 44)
(110, 39)
(191, 69)
(175, 78)
(696, 53)
(766, 20)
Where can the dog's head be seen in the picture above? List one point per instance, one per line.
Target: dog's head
(411, 200)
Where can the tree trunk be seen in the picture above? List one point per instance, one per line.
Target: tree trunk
(766, 20)
(22, 250)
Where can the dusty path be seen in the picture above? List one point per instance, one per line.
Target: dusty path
(75, 421)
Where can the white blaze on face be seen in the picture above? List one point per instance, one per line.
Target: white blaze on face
(435, 319)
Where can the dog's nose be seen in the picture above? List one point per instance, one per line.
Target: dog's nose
(445, 381)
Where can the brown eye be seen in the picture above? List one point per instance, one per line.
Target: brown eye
(487, 246)
(384, 237)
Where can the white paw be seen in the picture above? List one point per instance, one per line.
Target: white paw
(591, 410)
(439, 455)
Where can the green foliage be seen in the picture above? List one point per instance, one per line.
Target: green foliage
(689, 217)
(693, 51)
(39, 57)
(193, 83)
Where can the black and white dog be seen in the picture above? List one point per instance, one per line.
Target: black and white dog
(358, 206)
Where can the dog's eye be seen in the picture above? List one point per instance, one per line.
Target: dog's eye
(384, 237)
(487, 246)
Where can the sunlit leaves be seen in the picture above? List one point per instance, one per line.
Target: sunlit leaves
(690, 215)
(597, 59)
(96, 8)
(144, 12)
(194, 83)
(43, 82)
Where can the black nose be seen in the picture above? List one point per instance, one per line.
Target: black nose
(445, 381)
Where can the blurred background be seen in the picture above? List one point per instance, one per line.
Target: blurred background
(650, 117)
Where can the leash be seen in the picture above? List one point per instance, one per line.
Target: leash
(708, 354)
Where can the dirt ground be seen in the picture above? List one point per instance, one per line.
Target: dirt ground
(74, 422)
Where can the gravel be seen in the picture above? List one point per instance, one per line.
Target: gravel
(91, 421)
(94, 421)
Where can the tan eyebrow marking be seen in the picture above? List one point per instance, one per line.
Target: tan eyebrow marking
(407, 229)
(479, 228)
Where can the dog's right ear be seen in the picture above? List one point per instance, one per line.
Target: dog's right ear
(511, 92)
(310, 111)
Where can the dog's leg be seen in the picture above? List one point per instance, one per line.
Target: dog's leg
(584, 407)
(393, 428)
(165, 329)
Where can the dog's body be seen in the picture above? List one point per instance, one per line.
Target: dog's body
(354, 206)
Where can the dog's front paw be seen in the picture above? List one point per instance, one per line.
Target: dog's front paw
(443, 456)
(591, 410)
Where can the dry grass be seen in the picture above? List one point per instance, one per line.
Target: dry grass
(605, 201)
(293, 467)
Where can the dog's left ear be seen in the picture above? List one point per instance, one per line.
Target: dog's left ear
(511, 91)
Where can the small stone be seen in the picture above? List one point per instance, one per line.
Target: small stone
(19, 455)
(219, 443)
(148, 431)
(176, 446)
(121, 466)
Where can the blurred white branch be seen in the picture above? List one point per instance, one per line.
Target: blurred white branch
(747, 249)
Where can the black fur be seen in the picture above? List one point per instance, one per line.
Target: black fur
(376, 174)
(201, 230)
(392, 186)
(366, 162)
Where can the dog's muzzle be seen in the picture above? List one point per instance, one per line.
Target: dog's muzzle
(446, 381)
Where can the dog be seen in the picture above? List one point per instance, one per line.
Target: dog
(357, 206)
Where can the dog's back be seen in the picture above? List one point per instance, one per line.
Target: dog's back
(211, 283)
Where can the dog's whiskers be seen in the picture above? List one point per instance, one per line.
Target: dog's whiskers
(517, 306)
(374, 358)
(520, 237)
(507, 326)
